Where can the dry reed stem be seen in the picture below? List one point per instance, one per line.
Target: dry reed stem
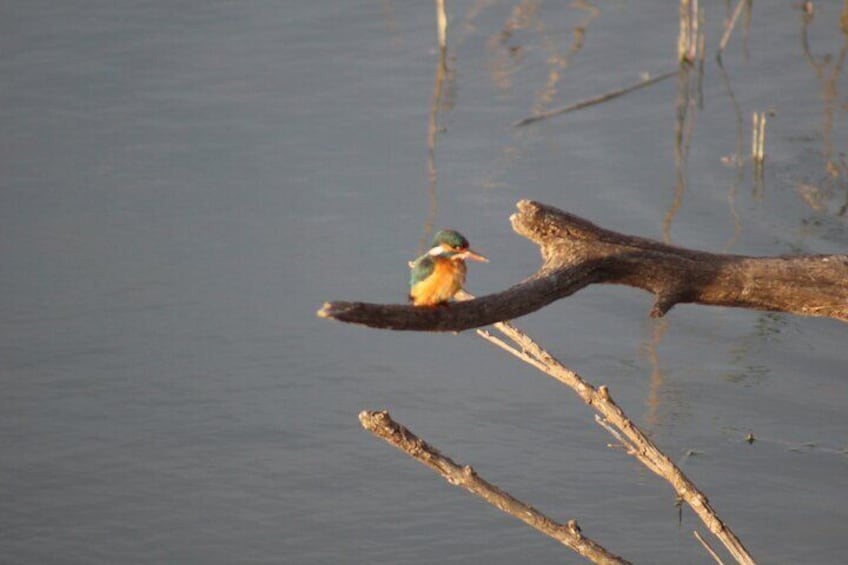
(568, 534)
(612, 418)
(758, 137)
(755, 133)
(694, 32)
(690, 40)
(441, 24)
(594, 100)
(683, 38)
(730, 25)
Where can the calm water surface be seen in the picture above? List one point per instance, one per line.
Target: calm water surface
(183, 184)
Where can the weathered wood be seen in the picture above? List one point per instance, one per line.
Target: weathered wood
(569, 534)
(577, 253)
(612, 418)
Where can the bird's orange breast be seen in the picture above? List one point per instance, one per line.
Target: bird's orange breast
(444, 282)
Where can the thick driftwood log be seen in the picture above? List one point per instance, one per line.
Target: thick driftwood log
(577, 253)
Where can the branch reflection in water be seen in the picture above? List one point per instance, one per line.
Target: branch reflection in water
(836, 169)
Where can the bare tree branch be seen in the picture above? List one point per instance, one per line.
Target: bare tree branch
(569, 534)
(613, 419)
(577, 253)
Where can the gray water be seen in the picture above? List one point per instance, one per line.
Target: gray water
(183, 184)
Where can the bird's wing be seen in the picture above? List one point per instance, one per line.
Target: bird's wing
(421, 268)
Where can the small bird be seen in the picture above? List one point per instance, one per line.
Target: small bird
(439, 274)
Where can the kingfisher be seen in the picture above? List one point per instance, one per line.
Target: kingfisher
(439, 274)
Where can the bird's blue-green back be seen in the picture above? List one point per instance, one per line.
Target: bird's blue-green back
(421, 269)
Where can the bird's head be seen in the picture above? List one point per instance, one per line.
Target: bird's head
(453, 245)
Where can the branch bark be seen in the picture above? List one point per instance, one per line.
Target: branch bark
(613, 419)
(577, 253)
(569, 534)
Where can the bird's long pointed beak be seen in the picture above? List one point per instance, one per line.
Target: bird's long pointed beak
(468, 254)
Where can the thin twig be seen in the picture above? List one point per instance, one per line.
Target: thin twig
(523, 355)
(595, 100)
(568, 534)
(622, 441)
(709, 549)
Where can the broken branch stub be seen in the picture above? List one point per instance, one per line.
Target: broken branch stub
(577, 253)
